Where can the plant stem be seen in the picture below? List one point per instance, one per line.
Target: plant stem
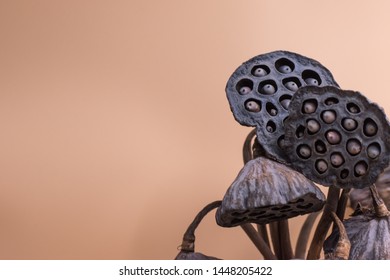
(343, 246)
(258, 241)
(285, 241)
(188, 243)
(379, 206)
(247, 147)
(303, 238)
(342, 205)
(262, 230)
(324, 224)
(274, 230)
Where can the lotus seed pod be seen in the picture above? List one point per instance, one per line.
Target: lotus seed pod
(373, 151)
(252, 106)
(284, 69)
(291, 86)
(285, 103)
(309, 107)
(349, 124)
(313, 126)
(311, 81)
(370, 128)
(361, 168)
(245, 90)
(333, 137)
(268, 85)
(328, 116)
(266, 191)
(321, 166)
(354, 147)
(259, 72)
(268, 89)
(336, 159)
(304, 151)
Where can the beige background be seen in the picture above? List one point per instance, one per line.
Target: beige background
(115, 128)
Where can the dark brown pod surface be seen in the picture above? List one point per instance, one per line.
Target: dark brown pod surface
(369, 237)
(183, 255)
(363, 196)
(260, 90)
(351, 146)
(266, 191)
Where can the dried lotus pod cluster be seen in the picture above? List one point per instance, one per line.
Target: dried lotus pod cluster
(266, 191)
(337, 137)
(260, 90)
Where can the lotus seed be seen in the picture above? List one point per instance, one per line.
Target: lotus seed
(370, 128)
(309, 107)
(313, 126)
(354, 147)
(349, 124)
(321, 166)
(333, 137)
(252, 106)
(336, 159)
(291, 86)
(284, 69)
(245, 90)
(373, 151)
(328, 116)
(285, 103)
(259, 72)
(268, 89)
(304, 151)
(360, 168)
(312, 81)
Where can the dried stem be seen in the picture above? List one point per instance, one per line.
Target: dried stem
(258, 241)
(342, 205)
(247, 147)
(379, 206)
(285, 241)
(262, 229)
(188, 243)
(274, 230)
(304, 234)
(324, 224)
(343, 246)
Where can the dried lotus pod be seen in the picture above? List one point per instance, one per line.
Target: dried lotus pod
(266, 191)
(187, 248)
(348, 150)
(369, 237)
(260, 90)
(363, 196)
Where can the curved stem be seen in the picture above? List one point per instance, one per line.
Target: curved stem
(343, 246)
(303, 238)
(342, 205)
(247, 147)
(285, 240)
(379, 206)
(324, 224)
(262, 230)
(188, 243)
(274, 230)
(258, 241)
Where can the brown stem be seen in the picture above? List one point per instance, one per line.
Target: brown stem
(324, 224)
(258, 241)
(342, 205)
(188, 243)
(247, 147)
(262, 230)
(304, 234)
(274, 230)
(379, 206)
(285, 241)
(343, 246)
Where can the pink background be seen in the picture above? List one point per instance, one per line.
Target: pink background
(115, 128)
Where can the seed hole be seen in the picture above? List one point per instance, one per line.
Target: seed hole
(284, 65)
(300, 131)
(336, 159)
(320, 147)
(253, 105)
(268, 87)
(305, 206)
(344, 173)
(353, 108)
(360, 169)
(271, 126)
(244, 86)
(309, 106)
(271, 109)
(354, 147)
(349, 124)
(260, 70)
(321, 166)
(292, 83)
(328, 116)
(313, 126)
(331, 101)
(304, 151)
(333, 137)
(373, 150)
(284, 100)
(370, 128)
(311, 78)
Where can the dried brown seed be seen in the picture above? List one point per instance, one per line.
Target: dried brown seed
(370, 127)
(245, 90)
(268, 89)
(311, 81)
(291, 86)
(320, 146)
(336, 159)
(313, 126)
(304, 151)
(252, 106)
(354, 147)
(333, 137)
(361, 168)
(309, 107)
(285, 103)
(284, 69)
(321, 166)
(349, 124)
(373, 150)
(259, 72)
(328, 116)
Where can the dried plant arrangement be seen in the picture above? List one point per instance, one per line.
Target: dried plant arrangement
(307, 131)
